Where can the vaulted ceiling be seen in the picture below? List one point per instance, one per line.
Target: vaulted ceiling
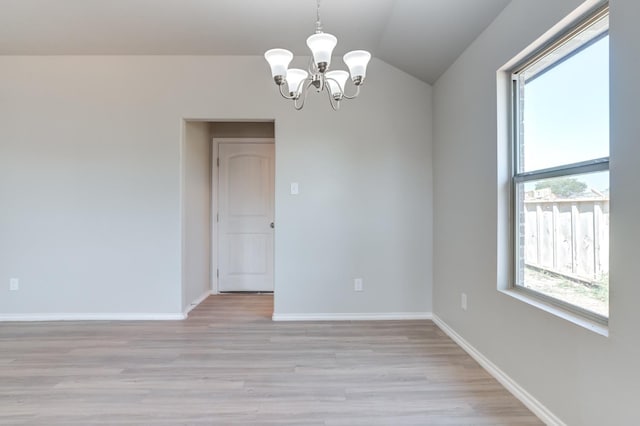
(421, 37)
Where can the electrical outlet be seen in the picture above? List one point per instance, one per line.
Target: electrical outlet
(357, 284)
(463, 301)
(14, 284)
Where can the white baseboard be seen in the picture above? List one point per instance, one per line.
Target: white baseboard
(92, 317)
(511, 385)
(384, 316)
(196, 302)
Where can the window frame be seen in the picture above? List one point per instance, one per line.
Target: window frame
(565, 170)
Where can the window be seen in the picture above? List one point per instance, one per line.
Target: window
(560, 178)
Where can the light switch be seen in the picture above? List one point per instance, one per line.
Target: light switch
(295, 190)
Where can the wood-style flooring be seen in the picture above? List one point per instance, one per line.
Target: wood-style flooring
(229, 364)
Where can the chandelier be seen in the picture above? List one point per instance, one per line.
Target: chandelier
(298, 82)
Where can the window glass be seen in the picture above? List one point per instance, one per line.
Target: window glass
(564, 248)
(566, 110)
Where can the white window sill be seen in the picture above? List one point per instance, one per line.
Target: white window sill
(598, 328)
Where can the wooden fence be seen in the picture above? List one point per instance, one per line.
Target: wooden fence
(568, 237)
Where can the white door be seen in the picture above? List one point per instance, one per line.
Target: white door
(245, 221)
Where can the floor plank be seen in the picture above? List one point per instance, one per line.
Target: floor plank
(229, 364)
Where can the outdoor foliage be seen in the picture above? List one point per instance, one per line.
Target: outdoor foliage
(564, 187)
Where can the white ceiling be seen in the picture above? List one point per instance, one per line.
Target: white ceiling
(421, 37)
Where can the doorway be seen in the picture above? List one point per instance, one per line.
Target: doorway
(242, 206)
(241, 259)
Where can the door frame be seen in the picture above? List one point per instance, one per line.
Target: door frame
(215, 147)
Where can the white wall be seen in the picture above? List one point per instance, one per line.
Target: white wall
(364, 208)
(582, 377)
(90, 183)
(196, 193)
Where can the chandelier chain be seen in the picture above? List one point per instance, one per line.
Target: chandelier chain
(318, 22)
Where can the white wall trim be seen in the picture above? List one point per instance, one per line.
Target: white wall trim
(196, 302)
(93, 317)
(511, 385)
(382, 316)
(181, 211)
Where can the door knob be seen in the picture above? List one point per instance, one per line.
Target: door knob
(272, 225)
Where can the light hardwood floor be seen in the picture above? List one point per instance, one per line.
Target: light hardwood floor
(229, 364)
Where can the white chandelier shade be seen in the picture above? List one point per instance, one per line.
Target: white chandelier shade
(321, 46)
(279, 60)
(295, 79)
(299, 82)
(337, 80)
(357, 62)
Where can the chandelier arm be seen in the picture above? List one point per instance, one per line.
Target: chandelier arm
(343, 93)
(355, 95)
(335, 105)
(304, 97)
(301, 85)
(336, 82)
(312, 66)
(283, 94)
